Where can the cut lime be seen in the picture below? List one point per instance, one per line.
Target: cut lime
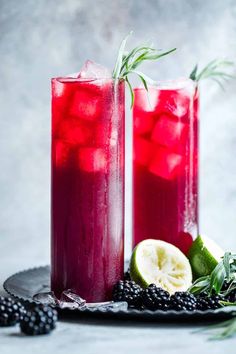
(204, 255)
(160, 263)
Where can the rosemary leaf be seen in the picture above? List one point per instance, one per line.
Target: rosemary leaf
(144, 82)
(119, 61)
(214, 70)
(227, 303)
(200, 285)
(220, 331)
(131, 92)
(228, 329)
(223, 273)
(194, 73)
(144, 76)
(226, 263)
(127, 62)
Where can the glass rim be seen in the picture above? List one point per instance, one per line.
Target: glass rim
(170, 84)
(70, 79)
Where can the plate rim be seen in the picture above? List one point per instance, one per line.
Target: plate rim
(226, 312)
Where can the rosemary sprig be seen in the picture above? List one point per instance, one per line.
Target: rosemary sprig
(215, 70)
(224, 330)
(224, 273)
(128, 62)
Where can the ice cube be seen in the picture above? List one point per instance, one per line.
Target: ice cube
(58, 88)
(92, 159)
(143, 123)
(142, 150)
(74, 131)
(61, 91)
(62, 153)
(169, 132)
(165, 164)
(86, 103)
(47, 298)
(146, 100)
(70, 296)
(174, 102)
(72, 76)
(69, 305)
(89, 99)
(108, 305)
(92, 70)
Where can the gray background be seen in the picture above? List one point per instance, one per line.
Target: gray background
(45, 38)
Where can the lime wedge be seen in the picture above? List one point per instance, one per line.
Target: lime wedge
(204, 255)
(158, 262)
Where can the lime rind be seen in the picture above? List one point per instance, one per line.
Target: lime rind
(204, 255)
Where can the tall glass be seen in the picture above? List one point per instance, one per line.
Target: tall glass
(165, 163)
(87, 202)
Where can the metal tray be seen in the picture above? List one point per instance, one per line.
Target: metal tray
(25, 284)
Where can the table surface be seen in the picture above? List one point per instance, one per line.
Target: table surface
(96, 336)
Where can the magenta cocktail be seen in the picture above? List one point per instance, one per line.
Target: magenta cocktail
(165, 163)
(87, 210)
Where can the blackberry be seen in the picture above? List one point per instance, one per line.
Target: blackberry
(155, 298)
(183, 301)
(231, 296)
(129, 291)
(11, 311)
(39, 319)
(206, 302)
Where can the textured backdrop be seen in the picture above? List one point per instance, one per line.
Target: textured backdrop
(44, 38)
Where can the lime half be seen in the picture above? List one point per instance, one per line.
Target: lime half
(158, 262)
(204, 255)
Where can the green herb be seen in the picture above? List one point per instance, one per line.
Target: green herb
(222, 330)
(128, 62)
(224, 273)
(215, 70)
(227, 303)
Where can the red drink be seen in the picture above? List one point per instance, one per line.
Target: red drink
(87, 186)
(165, 164)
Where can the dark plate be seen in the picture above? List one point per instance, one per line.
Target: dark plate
(25, 284)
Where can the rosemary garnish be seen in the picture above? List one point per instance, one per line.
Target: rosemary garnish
(222, 274)
(215, 70)
(127, 63)
(222, 330)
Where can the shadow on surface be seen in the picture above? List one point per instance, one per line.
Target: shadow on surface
(18, 335)
(129, 323)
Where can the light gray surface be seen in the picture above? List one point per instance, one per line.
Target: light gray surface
(41, 39)
(97, 338)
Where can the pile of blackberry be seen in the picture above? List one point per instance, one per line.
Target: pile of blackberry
(34, 319)
(39, 319)
(206, 302)
(129, 291)
(156, 298)
(182, 300)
